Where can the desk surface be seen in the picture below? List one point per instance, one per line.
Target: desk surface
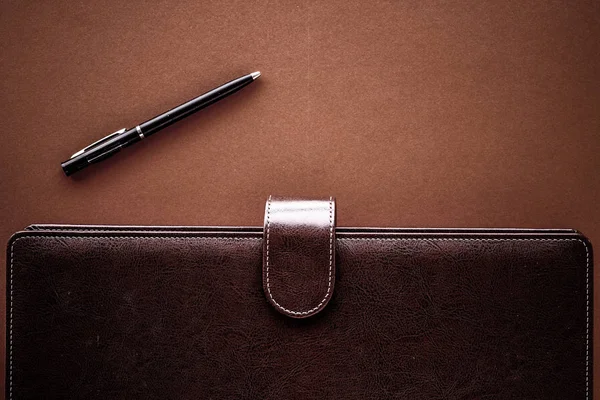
(417, 114)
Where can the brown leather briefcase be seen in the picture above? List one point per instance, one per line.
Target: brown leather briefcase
(298, 309)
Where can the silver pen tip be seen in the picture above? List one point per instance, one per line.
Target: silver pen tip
(255, 75)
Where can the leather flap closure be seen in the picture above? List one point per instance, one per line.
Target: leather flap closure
(299, 255)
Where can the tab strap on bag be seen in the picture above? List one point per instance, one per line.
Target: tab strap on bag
(299, 255)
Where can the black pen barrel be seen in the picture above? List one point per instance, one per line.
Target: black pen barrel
(113, 143)
(181, 111)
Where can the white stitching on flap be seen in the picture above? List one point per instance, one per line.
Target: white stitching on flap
(330, 262)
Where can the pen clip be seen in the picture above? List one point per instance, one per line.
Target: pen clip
(97, 142)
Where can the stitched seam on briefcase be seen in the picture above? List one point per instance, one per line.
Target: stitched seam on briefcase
(330, 262)
(587, 261)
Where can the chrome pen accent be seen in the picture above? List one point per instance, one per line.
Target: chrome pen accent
(99, 141)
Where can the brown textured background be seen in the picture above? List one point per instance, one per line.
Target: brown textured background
(414, 114)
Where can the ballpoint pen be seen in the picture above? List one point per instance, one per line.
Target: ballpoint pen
(113, 143)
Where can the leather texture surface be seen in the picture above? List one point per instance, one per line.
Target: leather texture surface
(181, 314)
(299, 255)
